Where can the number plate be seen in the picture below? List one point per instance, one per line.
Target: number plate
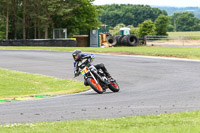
(84, 71)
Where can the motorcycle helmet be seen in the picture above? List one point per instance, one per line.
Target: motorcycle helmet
(76, 54)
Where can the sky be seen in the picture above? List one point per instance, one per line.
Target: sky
(176, 3)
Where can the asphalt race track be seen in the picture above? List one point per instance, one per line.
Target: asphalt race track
(148, 86)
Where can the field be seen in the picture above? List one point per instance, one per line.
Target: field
(184, 33)
(176, 39)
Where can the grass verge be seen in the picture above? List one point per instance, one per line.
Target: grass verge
(167, 123)
(190, 53)
(17, 84)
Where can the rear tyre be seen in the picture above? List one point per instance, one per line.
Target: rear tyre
(118, 39)
(111, 40)
(113, 86)
(129, 40)
(96, 87)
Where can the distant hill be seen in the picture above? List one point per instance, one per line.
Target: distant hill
(172, 10)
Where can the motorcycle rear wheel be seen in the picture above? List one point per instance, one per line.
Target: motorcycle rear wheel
(95, 86)
(113, 86)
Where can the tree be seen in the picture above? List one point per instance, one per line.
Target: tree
(56, 8)
(2, 29)
(170, 28)
(29, 19)
(146, 28)
(85, 17)
(128, 14)
(5, 7)
(24, 18)
(185, 21)
(116, 29)
(162, 23)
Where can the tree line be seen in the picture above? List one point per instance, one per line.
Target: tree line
(136, 14)
(128, 14)
(35, 19)
(184, 21)
(172, 10)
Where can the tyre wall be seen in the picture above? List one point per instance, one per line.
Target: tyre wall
(126, 40)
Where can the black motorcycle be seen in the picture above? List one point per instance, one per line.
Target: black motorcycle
(97, 79)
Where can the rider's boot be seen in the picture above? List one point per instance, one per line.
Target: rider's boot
(109, 77)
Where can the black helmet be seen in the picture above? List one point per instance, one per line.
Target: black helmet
(76, 54)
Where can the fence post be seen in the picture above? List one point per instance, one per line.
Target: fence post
(145, 40)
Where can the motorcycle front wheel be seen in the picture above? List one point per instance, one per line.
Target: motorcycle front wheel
(95, 86)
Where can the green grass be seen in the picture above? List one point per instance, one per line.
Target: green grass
(16, 84)
(167, 123)
(190, 53)
(184, 33)
(189, 35)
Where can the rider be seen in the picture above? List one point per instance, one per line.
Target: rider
(79, 57)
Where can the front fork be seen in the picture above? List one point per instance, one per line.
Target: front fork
(93, 77)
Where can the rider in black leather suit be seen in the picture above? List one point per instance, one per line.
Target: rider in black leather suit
(79, 57)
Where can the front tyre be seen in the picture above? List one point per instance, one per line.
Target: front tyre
(95, 86)
(113, 86)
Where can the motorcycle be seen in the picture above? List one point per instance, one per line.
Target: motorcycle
(97, 79)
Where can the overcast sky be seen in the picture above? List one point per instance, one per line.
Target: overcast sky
(177, 3)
